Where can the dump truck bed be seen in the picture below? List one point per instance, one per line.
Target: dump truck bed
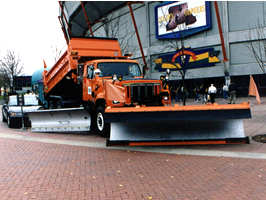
(80, 48)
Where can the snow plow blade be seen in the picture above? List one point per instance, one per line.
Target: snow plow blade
(178, 125)
(60, 120)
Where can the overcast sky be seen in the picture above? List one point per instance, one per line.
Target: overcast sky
(32, 30)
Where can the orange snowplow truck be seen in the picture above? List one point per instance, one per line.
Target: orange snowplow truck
(94, 87)
(93, 72)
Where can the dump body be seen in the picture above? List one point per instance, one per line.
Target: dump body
(78, 49)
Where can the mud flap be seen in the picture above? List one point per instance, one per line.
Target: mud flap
(60, 120)
(189, 132)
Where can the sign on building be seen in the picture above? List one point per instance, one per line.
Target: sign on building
(192, 59)
(182, 18)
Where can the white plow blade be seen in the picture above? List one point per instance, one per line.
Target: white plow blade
(60, 120)
(176, 131)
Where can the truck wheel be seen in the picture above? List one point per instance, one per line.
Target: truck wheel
(102, 127)
(50, 105)
(10, 122)
(59, 105)
(3, 118)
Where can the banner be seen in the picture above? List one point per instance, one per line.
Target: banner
(187, 58)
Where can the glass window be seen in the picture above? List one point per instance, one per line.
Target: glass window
(119, 68)
(90, 71)
(30, 100)
(13, 101)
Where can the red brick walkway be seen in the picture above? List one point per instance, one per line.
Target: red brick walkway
(32, 170)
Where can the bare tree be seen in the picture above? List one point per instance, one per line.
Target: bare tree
(10, 66)
(113, 25)
(57, 52)
(177, 45)
(258, 46)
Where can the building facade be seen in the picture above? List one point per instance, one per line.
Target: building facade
(243, 24)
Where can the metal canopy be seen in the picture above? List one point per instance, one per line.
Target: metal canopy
(76, 19)
(81, 16)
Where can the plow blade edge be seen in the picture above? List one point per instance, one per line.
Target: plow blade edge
(176, 125)
(60, 120)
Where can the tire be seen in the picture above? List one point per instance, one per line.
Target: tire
(101, 126)
(3, 118)
(50, 105)
(59, 105)
(14, 122)
(10, 122)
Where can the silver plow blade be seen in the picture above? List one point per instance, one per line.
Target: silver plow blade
(177, 133)
(60, 120)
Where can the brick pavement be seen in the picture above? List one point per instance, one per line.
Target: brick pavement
(34, 170)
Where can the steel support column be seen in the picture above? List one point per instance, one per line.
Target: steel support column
(62, 27)
(225, 60)
(137, 34)
(63, 13)
(87, 19)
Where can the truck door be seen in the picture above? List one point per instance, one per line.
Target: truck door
(88, 92)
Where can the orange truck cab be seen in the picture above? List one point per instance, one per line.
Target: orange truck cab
(120, 83)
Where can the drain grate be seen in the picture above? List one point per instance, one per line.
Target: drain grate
(260, 138)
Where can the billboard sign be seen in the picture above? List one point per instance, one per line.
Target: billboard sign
(182, 18)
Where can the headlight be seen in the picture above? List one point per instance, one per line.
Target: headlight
(120, 77)
(165, 98)
(115, 102)
(12, 114)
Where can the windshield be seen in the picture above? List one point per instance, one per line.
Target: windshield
(122, 68)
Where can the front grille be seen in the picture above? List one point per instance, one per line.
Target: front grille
(143, 94)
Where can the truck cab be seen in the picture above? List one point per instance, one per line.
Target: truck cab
(119, 83)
